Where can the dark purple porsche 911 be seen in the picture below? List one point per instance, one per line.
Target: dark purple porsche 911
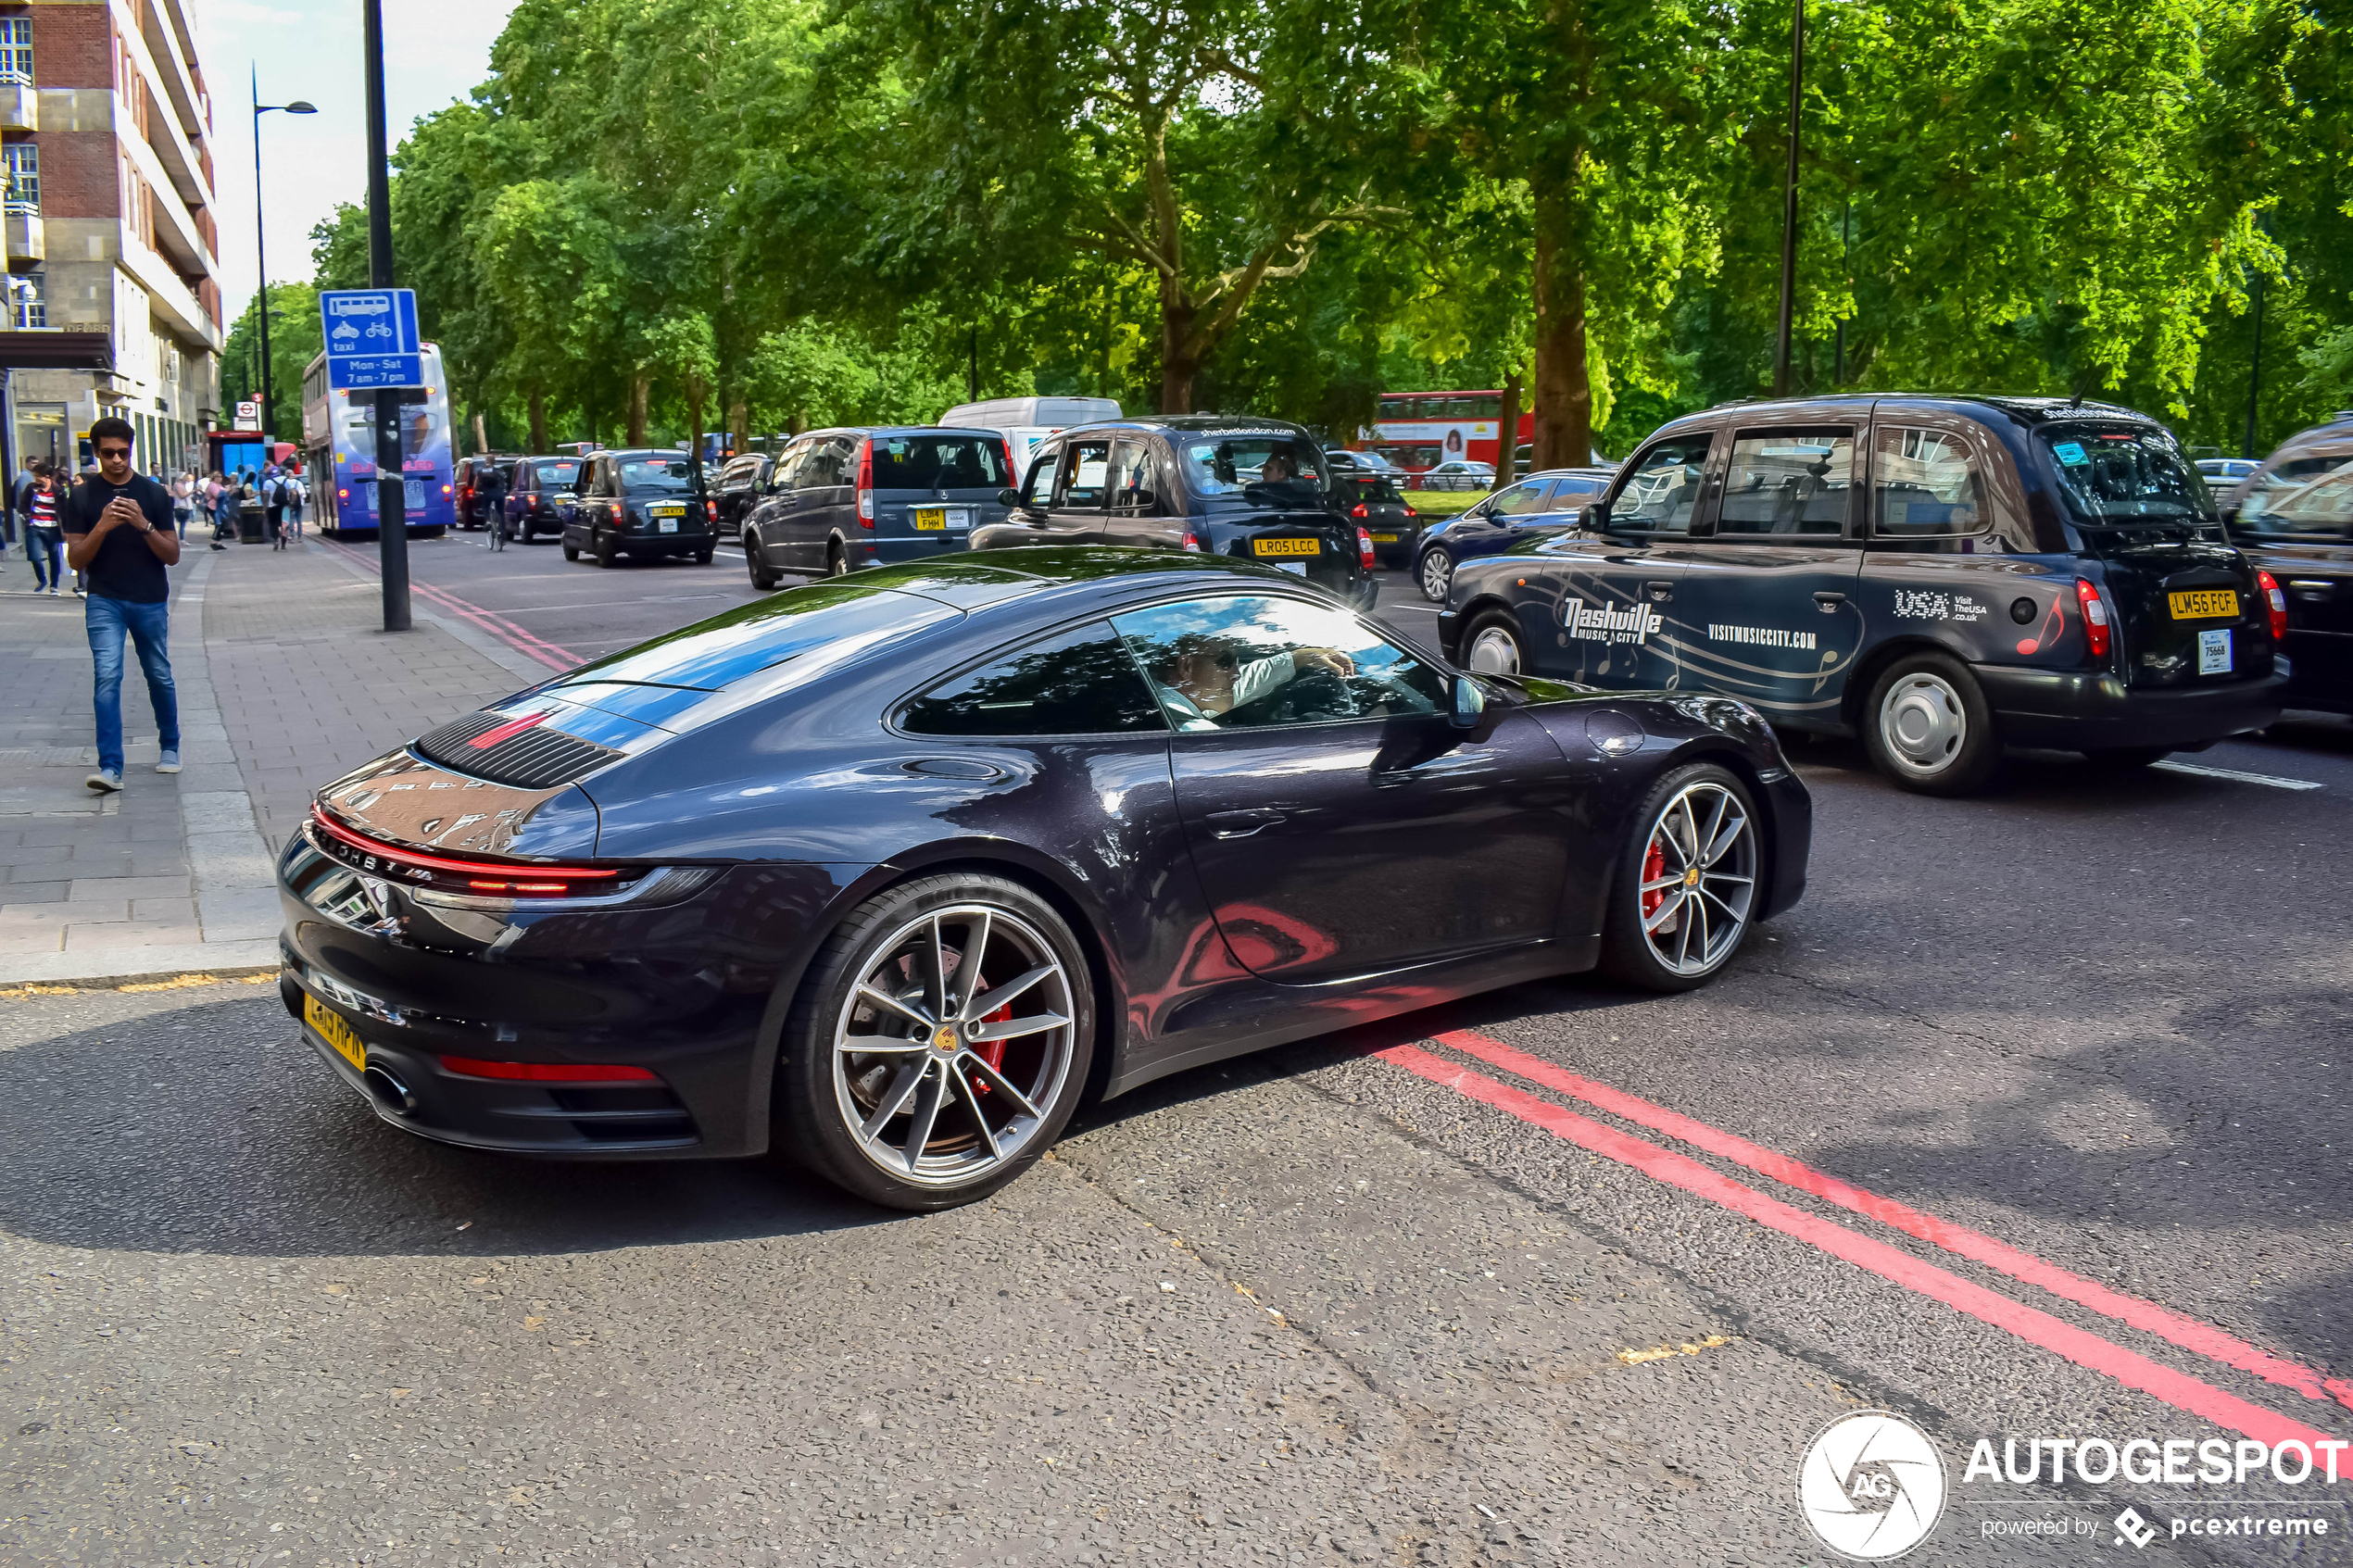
(888, 872)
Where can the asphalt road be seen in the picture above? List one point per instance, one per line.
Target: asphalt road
(2023, 1125)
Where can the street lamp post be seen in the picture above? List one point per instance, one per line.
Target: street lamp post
(262, 264)
(1789, 197)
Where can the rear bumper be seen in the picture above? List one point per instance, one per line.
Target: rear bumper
(2085, 712)
(666, 543)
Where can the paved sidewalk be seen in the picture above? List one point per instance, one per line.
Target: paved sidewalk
(285, 682)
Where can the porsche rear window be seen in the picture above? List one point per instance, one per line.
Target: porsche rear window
(824, 625)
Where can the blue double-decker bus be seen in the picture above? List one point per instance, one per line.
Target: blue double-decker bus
(339, 441)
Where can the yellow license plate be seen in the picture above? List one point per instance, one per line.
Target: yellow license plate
(336, 1033)
(931, 519)
(1286, 547)
(1384, 539)
(2203, 604)
(666, 511)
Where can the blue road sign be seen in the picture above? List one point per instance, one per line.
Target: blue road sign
(372, 338)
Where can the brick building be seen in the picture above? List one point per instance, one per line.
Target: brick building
(106, 134)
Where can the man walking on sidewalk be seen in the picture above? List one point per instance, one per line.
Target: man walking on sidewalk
(118, 527)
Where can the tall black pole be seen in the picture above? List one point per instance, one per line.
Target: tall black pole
(262, 264)
(2255, 372)
(1845, 244)
(1788, 196)
(392, 490)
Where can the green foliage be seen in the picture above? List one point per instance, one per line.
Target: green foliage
(294, 340)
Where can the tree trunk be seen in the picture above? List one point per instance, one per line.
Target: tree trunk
(694, 420)
(1563, 391)
(1507, 434)
(538, 400)
(641, 389)
(739, 425)
(1178, 361)
(482, 441)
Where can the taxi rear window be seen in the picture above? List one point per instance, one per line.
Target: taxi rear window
(2125, 476)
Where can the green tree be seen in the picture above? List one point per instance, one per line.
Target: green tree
(294, 340)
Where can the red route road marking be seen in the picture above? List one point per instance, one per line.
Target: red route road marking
(2147, 1316)
(2085, 1350)
(499, 626)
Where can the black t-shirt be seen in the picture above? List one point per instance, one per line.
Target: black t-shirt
(124, 567)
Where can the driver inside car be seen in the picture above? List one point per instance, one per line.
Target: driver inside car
(1204, 677)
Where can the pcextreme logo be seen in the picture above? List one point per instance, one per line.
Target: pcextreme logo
(1871, 1486)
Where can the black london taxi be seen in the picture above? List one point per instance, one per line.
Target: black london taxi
(1945, 575)
(2294, 518)
(639, 503)
(1221, 485)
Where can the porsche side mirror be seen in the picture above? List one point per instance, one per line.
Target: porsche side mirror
(1009, 497)
(1469, 703)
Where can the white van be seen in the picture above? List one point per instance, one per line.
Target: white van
(1026, 421)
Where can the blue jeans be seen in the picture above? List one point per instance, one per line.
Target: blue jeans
(150, 625)
(47, 548)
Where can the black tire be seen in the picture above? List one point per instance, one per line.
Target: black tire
(571, 551)
(2128, 759)
(1494, 645)
(763, 576)
(1434, 565)
(607, 553)
(702, 556)
(1630, 952)
(816, 1104)
(836, 563)
(1928, 728)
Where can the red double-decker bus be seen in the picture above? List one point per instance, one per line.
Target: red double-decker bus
(1418, 430)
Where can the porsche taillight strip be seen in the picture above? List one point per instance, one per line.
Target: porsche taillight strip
(506, 872)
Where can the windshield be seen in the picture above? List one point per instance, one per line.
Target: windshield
(559, 476)
(1273, 469)
(1363, 488)
(938, 462)
(656, 473)
(2120, 476)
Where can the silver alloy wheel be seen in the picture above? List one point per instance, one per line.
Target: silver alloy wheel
(1922, 724)
(1437, 573)
(1699, 878)
(934, 1080)
(1494, 651)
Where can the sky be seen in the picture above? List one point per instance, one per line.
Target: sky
(435, 50)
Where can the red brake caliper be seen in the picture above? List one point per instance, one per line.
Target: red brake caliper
(1653, 867)
(993, 1052)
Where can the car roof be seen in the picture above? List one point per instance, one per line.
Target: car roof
(1046, 567)
(905, 430)
(1198, 424)
(2025, 410)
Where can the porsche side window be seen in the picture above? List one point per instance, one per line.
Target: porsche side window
(1788, 482)
(1243, 664)
(1661, 486)
(1082, 682)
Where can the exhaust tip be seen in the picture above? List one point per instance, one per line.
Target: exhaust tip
(390, 1092)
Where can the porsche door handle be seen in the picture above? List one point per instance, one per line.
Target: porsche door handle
(1240, 824)
(1659, 592)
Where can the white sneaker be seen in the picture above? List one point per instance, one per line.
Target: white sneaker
(167, 763)
(105, 781)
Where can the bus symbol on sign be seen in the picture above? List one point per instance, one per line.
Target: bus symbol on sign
(372, 338)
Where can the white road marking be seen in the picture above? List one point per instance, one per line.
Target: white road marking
(2202, 770)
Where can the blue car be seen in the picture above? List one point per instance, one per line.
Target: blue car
(1541, 504)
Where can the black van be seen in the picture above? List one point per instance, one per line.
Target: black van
(2293, 517)
(839, 500)
(1945, 575)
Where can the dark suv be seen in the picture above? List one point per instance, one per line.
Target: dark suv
(541, 498)
(839, 500)
(738, 488)
(1945, 575)
(474, 511)
(1258, 489)
(639, 503)
(2293, 516)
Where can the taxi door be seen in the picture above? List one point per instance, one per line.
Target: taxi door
(1617, 589)
(1766, 609)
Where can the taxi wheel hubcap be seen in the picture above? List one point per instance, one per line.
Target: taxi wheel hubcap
(1924, 723)
(1434, 575)
(954, 1045)
(1699, 878)
(1495, 652)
